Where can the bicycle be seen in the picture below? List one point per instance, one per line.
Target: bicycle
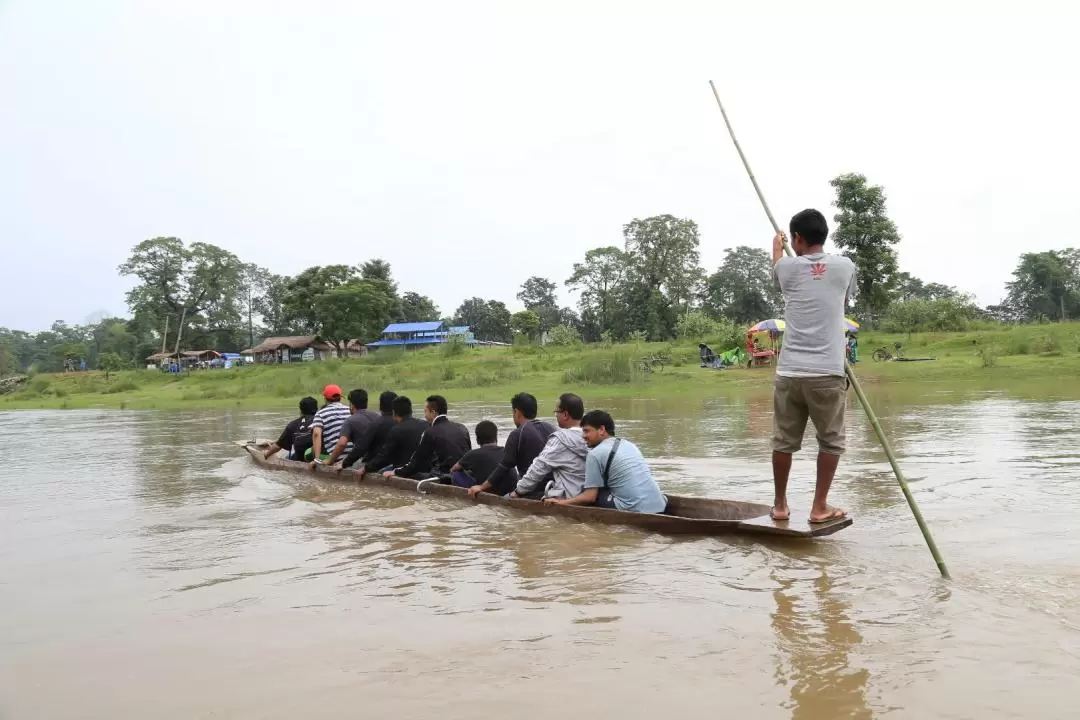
(882, 354)
(650, 363)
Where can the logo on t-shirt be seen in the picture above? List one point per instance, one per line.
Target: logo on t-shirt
(817, 270)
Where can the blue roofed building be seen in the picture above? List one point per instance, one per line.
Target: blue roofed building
(420, 334)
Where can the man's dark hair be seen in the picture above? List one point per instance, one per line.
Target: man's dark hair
(526, 403)
(309, 406)
(402, 406)
(386, 401)
(438, 404)
(573, 405)
(486, 432)
(599, 419)
(358, 399)
(811, 225)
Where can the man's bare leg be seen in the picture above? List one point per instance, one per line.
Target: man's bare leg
(826, 469)
(781, 468)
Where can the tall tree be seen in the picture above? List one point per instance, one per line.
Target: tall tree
(1045, 285)
(417, 308)
(488, 319)
(664, 259)
(599, 281)
(526, 323)
(298, 302)
(742, 289)
(909, 287)
(357, 310)
(867, 236)
(197, 284)
(538, 296)
(254, 284)
(271, 305)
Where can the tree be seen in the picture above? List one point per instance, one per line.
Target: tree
(664, 276)
(197, 285)
(562, 335)
(1045, 285)
(254, 283)
(952, 314)
(300, 293)
(526, 323)
(270, 306)
(110, 362)
(538, 295)
(488, 319)
(417, 308)
(357, 310)
(743, 289)
(867, 236)
(599, 279)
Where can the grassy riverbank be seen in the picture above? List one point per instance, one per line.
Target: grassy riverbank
(984, 358)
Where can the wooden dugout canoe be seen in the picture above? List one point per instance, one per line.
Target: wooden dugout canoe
(684, 515)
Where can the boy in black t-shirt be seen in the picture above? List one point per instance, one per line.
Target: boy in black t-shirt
(477, 465)
(297, 432)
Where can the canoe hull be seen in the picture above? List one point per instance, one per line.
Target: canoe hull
(684, 516)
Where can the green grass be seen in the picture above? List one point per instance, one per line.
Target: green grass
(989, 358)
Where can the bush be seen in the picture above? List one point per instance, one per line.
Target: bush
(616, 367)
(563, 335)
(989, 356)
(454, 346)
(1048, 344)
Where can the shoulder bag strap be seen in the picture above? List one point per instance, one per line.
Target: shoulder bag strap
(611, 456)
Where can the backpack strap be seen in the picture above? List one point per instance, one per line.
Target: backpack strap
(611, 456)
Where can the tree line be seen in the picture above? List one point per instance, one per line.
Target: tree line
(201, 296)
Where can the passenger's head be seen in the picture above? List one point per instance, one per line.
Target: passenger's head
(386, 401)
(309, 406)
(332, 393)
(486, 433)
(358, 399)
(808, 231)
(597, 426)
(402, 408)
(569, 410)
(524, 408)
(434, 407)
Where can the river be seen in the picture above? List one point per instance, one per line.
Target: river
(155, 572)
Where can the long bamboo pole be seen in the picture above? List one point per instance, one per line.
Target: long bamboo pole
(874, 423)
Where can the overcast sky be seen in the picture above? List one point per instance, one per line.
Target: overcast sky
(475, 144)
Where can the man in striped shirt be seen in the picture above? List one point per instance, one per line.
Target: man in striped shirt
(326, 427)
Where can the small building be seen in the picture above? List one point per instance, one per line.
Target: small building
(290, 349)
(420, 334)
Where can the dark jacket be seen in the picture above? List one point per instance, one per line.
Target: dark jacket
(400, 446)
(367, 447)
(440, 448)
(522, 446)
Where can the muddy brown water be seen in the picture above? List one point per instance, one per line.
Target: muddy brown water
(155, 572)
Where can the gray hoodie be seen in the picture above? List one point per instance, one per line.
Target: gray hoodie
(562, 457)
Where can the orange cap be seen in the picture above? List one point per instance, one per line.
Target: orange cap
(330, 391)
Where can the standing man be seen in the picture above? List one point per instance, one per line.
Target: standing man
(810, 380)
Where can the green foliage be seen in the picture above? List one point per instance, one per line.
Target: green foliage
(110, 362)
(866, 235)
(989, 356)
(743, 289)
(563, 335)
(454, 346)
(357, 310)
(538, 296)
(696, 326)
(950, 314)
(1045, 286)
(608, 368)
(526, 323)
(417, 308)
(488, 319)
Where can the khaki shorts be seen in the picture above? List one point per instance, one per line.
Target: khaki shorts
(820, 399)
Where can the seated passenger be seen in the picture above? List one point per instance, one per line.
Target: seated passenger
(401, 442)
(616, 474)
(298, 428)
(562, 459)
(476, 465)
(442, 445)
(522, 446)
(326, 427)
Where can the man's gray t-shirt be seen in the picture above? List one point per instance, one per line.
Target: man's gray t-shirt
(816, 289)
(630, 483)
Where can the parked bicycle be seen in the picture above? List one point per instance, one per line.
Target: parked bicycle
(651, 363)
(882, 354)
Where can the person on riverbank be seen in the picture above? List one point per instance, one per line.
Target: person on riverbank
(327, 424)
(355, 430)
(616, 474)
(523, 445)
(480, 462)
(401, 442)
(366, 449)
(442, 445)
(562, 459)
(298, 428)
(810, 380)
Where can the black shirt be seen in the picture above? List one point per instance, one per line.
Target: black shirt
(481, 462)
(401, 443)
(365, 431)
(522, 447)
(285, 442)
(440, 448)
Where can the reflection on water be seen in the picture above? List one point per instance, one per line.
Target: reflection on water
(157, 567)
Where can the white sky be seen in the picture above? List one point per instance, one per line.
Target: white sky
(475, 144)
